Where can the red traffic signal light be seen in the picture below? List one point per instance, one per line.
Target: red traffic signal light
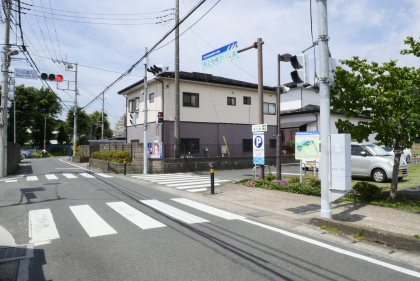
(59, 78)
(159, 117)
(52, 77)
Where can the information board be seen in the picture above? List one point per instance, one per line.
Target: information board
(26, 73)
(154, 150)
(224, 54)
(307, 145)
(258, 148)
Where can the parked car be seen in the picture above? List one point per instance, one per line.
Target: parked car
(26, 154)
(370, 160)
(405, 155)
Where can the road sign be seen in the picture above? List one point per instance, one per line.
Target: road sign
(259, 128)
(26, 73)
(307, 145)
(224, 54)
(258, 148)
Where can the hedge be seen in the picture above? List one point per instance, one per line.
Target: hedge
(113, 156)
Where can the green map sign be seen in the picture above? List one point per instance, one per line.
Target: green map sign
(307, 145)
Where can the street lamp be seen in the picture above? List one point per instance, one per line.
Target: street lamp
(280, 89)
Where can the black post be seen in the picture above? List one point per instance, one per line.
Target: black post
(125, 167)
(212, 178)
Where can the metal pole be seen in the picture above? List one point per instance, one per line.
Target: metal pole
(177, 123)
(14, 121)
(45, 132)
(300, 173)
(103, 106)
(125, 167)
(75, 116)
(212, 179)
(145, 117)
(278, 141)
(4, 93)
(324, 93)
(260, 93)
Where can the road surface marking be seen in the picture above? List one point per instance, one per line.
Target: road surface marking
(192, 183)
(208, 209)
(42, 228)
(161, 181)
(86, 175)
(93, 224)
(12, 181)
(173, 212)
(157, 177)
(197, 190)
(51, 177)
(135, 216)
(338, 250)
(195, 186)
(104, 175)
(8, 179)
(70, 168)
(31, 178)
(70, 176)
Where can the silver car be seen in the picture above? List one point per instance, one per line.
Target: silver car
(369, 160)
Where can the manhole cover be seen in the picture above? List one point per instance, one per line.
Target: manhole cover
(258, 214)
(53, 183)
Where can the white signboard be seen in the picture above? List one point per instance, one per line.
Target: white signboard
(258, 148)
(307, 145)
(26, 73)
(259, 128)
(340, 165)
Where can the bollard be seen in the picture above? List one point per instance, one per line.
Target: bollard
(212, 179)
(125, 167)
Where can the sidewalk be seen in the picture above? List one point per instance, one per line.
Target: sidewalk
(296, 206)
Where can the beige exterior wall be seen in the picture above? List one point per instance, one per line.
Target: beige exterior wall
(239, 114)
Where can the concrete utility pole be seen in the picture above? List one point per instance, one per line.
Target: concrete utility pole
(75, 115)
(145, 117)
(103, 107)
(4, 93)
(45, 133)
(260, 92)
(14, 121)
(324, 93)
(177, 123)
(278, 138)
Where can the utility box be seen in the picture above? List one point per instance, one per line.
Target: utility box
(340, 165)
(223, 149)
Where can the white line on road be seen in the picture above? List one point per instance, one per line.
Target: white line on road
(104, 175)
(51, 177)
(192, 183)
(197, 190)
(12, 181)
(42, 228)
(93, 224)
(135, 216)
(160, 181)
(157, 177)
(31, 178)
(69, 176)
(338, 250)
(86, 175)
(173, 212)
(71, 168)
(195, 186)
(208, 209)
(8, 179)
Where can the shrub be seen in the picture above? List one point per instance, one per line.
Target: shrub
(416, 236)
(295, 179)
(80, 153)
(367, 190)
(323, 227)
(292, 145)
(113, 156)
(270, 177)
(315, 182)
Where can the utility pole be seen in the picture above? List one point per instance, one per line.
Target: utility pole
(177, 123)
(4, 93)
(45, 133)
(260, 92)
(75, 115)
(324, 93)
(278, 138)
(145, 117)
(103, 106)
(14, 121)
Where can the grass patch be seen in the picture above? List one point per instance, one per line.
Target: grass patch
(332, 229)
(412, 179)
(416, 236)
(410, 205)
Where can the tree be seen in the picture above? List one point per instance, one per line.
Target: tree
(96, 119)
(62, 136)
(387, 94)
(414, 47)
(83, 121)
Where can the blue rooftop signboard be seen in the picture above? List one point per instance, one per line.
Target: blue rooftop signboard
(224, 54)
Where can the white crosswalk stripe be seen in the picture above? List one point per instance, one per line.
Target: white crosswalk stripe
(70, 176)
(86, 175)
(173, 212)
(104, 175)
(31, 178)
(93, 224)
(51, 177)
(192, 183)
(43, 230)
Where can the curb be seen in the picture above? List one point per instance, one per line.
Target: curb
(398, 241)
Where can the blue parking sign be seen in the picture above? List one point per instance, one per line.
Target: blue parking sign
(258, 148)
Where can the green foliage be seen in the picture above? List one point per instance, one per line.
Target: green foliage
(315, 182)
(80, 153)
(414, 47)
(292, 145)
(285, 186)
(416, 236)
(62, 137)
(335, 230)
(295, 179)
(112, 156)
(367, 190)
(324, 227)
(270, 177)
(358, 237)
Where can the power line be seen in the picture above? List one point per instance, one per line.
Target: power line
(56, 35)
(48, 29)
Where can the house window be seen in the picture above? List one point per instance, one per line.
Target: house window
(246, 145)
(137, 103)
(190, 99)
(273, 143)
(247, 100)
(190, 145)
(269, 108)
(134, 141)
(131, 105)
(231, 101)
(152, 97)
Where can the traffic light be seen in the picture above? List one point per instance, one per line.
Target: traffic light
(301, 73)
(156, 69)
(52, 77)
(133, 117)
(159, 117)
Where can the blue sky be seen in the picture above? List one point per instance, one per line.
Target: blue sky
(370, 29)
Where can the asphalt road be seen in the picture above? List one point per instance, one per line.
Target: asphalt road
(110, 228)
